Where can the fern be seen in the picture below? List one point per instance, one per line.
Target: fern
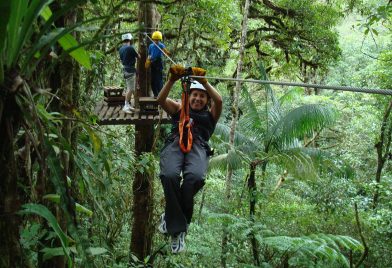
(326, 248)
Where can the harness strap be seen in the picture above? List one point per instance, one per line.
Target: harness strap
(185, 123)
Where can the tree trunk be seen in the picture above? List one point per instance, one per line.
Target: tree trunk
(10, 200)
(252, 210)
(383, 148)
(142, 187)
(233, 124)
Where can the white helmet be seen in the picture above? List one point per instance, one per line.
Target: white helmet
(196, 85)
(127, 36)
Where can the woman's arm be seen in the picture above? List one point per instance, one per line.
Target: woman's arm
(216, 106)
(170, 106)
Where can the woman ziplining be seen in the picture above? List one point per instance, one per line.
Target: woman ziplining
(184, 158)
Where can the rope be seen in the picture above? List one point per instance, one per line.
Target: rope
(342, 88)
(160, 49)
(185, 123)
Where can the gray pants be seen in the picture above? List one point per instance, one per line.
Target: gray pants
(179, 196)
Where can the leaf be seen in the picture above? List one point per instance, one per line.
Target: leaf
(56, 149)
(23, 17)
(366, 31)
(18, 8)
(96, 251)
(46, 13)
(55, 198)
(317, 246)
(82, 209)
(44, 212)
(52, 252)
(52, 197)
(5, 11)
(69, 43)
(95, 140)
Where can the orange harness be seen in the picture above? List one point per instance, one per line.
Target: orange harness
(185, 123)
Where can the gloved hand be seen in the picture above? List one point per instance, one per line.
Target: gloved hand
(147, 64)
(166, 51)
(176, 71)
(199, 72)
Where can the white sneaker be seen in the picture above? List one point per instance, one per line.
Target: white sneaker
(178, 243)
(128, 108)
(162, 224)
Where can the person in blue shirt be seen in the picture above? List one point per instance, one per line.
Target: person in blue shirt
(128, 56)
(155, 61)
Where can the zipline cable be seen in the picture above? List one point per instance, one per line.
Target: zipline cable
(292, 84)
(265, 82)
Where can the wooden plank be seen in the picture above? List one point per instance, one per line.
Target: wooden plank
(98, 108)
(113, 115)
(122, 115)
(116, 112)
(103, 111)
(109, 112)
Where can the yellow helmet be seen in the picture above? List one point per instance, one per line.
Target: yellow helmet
(157, 35)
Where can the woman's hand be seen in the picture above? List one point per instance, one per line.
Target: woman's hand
(199, 72)
(176, 72)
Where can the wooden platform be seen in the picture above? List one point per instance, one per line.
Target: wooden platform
(113, 115)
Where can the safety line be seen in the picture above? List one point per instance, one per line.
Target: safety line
(342, 88)
(160, 49)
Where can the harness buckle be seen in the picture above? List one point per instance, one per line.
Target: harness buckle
(186, 80)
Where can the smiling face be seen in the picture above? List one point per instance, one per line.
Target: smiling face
(198, 99)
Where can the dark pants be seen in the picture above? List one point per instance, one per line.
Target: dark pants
(179, 196)
(156, 76)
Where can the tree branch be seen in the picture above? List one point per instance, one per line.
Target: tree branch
(280, 10)
(365, 246)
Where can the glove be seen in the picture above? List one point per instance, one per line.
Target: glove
(176, 71)
(199, 72)
(147, 64)
(166, 51)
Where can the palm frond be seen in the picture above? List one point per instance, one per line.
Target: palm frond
(291, 95)
(233, 159)
(274, 108)
(297, 162)
(241, 141)
(253, 121)
(302, 121)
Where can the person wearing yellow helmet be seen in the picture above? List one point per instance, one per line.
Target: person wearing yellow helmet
(128, 56)
(155, 61)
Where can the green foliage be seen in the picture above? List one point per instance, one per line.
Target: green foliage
(69, 44)
(300, 122)
(22, 24)
(321, 248)
(44, 212)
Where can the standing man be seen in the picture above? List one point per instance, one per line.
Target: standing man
(128, 56)
(155, 61)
